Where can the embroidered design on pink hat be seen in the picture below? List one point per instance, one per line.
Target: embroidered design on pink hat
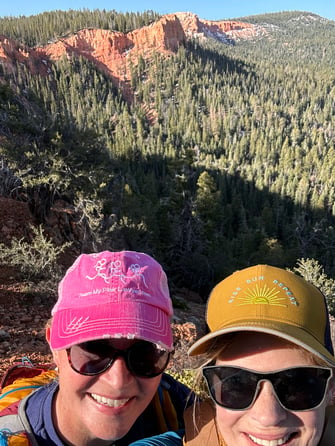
(76, 324)
(113, 294)
(106, 270)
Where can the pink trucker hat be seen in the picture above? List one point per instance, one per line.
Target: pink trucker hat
(112, 295)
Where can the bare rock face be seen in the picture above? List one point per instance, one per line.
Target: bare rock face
(113, 51)
(13, 52)
(223, 30)
(165, 35)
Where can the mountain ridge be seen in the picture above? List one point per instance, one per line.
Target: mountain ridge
(114, 52)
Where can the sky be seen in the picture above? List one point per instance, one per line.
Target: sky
(205, 9)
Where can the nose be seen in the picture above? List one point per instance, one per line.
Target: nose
(267, 410)
(118, 374)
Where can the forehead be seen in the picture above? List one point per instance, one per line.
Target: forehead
(263, 352)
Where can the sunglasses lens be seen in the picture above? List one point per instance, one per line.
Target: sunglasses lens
(147, 360)
(302, 388)
(143, 358)
(299, 388)
(90, 358)
(230, 387)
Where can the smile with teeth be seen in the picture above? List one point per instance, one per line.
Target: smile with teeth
(278, 442)
(108, 401)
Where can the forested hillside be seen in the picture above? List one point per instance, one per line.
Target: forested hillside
(224, 157)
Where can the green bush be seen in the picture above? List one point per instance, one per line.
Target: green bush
(190, 377)
(313, 272)
(36, 260)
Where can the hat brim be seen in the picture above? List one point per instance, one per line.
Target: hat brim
(285, 331)
(132, 320)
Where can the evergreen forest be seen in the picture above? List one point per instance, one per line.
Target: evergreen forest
(234, 164)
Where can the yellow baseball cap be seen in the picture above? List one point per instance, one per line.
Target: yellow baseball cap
(271, 300)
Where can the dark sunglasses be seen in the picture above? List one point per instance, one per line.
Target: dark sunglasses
(143, 359)
(297, 388)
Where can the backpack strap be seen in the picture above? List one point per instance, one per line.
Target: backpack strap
(17, 384)
(165, 411)
(169, 403)
(15, 428)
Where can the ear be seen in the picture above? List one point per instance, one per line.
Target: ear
(55, 353)
(48, 335)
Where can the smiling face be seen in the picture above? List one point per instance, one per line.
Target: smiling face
(99, 408)
(267, 423)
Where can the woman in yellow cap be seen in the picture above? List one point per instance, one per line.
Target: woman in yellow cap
(268, 365)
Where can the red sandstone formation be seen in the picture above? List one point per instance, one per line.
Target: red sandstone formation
(113, 51)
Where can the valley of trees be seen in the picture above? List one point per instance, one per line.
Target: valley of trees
(225, 158)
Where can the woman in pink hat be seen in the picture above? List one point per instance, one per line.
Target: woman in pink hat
(268, 365)
(111, 340)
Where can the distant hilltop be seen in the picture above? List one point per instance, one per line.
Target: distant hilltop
(115, 53)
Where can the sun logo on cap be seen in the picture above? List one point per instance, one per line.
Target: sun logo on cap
(262, 295)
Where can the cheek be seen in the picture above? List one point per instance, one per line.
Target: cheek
(312, 423)
(314, 418)
(226, 419)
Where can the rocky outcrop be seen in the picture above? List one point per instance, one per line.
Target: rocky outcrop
(224, 30)
(13, 52)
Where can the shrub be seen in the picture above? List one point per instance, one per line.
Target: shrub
(312, 271)
(37, 259)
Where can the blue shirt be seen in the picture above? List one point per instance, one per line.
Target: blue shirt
(39, 414)
(167, 439)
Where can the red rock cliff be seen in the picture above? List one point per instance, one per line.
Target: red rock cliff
(112, 51)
